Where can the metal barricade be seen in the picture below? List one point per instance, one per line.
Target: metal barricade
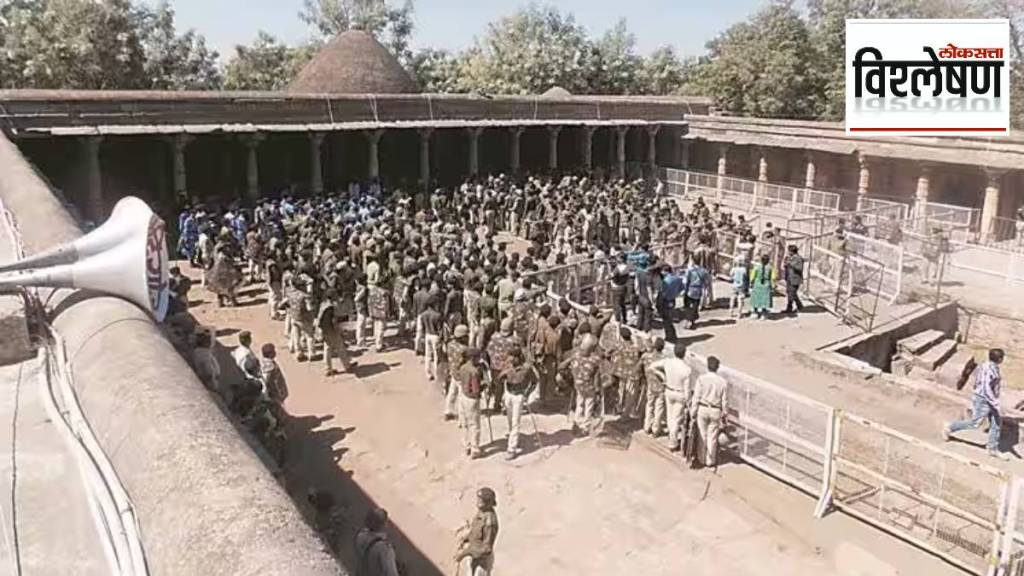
(947, 504)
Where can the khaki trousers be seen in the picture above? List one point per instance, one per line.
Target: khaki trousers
(709, 422)
(514, 413)
(654, 415)
(470, 412)
(675, 405)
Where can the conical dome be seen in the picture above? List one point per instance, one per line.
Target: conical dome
(557, 93)
(354, 62)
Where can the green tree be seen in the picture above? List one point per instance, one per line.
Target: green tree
(75, 44)
(99, 44)
(391, 25)
(436, 70)
(615, 67)
(827, 19)
(527, 53)
(177, 62)
(266, 64)
(1014, 11)
(765, 66)
(664, 73)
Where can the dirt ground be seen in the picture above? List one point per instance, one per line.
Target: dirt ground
(568, 506)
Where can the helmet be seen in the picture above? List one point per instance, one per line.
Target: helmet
(589, 343)
(461, 331)
(487, 496)
(506, 325)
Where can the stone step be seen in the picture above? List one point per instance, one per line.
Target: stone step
(936, 355)
(917, 344)
(949, 373)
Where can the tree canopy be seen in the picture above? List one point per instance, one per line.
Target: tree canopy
(786, 60)
(104, 44)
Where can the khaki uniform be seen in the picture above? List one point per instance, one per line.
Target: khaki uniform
(517, 381)
(708, 405)
(654, 413)
(479, 545)
(302, 334)
(470, 382)
(678, 376)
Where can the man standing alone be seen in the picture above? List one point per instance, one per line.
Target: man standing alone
(793, 273)
(476, 545)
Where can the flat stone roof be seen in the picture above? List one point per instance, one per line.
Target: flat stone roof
(63, 112)
(999, 153)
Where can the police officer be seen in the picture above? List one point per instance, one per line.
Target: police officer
(470, 381)
(709, 406)
(519, 381)
(654, 383)
(456, 352)
(475, 555)
(626, 368)
(585, 374)
(499, 351)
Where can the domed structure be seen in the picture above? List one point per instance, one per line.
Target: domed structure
(354, 62)
(556, 93)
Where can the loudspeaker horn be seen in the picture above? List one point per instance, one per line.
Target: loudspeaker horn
(125, 257)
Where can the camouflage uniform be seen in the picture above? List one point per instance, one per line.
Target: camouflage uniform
(456, 352)
(585, 374)
(523, 320)
(627, 370)
(302, 334)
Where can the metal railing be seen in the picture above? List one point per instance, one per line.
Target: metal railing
(952, 506)
(750, 195)
(1005, 234)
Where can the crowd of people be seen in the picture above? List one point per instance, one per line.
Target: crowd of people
(505, 288)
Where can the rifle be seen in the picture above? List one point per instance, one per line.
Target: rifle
(691, 442)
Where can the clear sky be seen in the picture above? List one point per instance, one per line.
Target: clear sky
(452, 24)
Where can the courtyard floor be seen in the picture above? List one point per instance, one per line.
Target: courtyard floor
(568, 506)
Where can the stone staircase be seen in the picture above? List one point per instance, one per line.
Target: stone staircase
(930, 355)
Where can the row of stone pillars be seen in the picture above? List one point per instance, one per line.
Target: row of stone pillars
(178, 144)
(990, 207)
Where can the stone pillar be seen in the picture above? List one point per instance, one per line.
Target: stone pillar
(811, 171)
(252, 167)
(588, 146)
(620, 151)
(474, 149)
(723, 156)
(425, 134)
(94, 207)
(990, 209)
(762, 165)
(179, 173)
(652, 146)
(921, 198)
(316, 171)
(684, 153)
(762, 175)
(517, 133)
(374, 136)
(553, 147)
(864, 181)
